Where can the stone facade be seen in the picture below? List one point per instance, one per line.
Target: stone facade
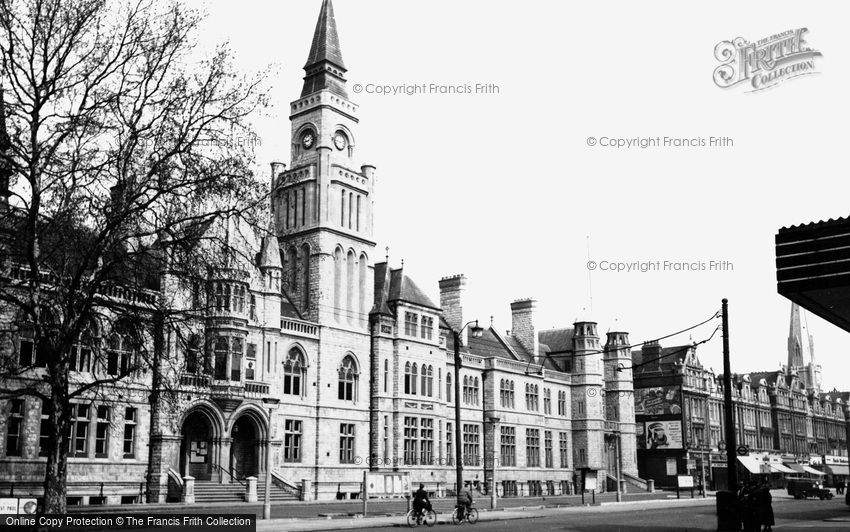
(359, 361)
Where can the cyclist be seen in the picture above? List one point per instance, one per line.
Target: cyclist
(465, 504)
(421, 501)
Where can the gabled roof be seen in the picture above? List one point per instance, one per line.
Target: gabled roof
(392, 286)
(402, 288)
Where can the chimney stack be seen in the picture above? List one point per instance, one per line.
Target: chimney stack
(522, 325)
(651, 355)
(451, 301)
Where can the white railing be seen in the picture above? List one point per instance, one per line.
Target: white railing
(299, 327)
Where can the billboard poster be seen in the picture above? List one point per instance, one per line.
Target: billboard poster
(659, 435)
(658, 401)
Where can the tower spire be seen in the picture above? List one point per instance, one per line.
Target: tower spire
(325, 68)
(795, 339)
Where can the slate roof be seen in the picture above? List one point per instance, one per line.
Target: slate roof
(558, 340)
(494, 344)
(392, 286)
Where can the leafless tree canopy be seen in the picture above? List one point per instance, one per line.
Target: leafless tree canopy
(125, 145)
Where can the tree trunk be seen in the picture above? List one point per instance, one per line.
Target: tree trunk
(56, 474)
(155, 444)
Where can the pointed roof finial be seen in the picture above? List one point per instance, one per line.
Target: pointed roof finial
(325, 68)
(387, 255)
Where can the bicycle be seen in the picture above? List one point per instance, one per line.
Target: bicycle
(470, 517)
(425, 516)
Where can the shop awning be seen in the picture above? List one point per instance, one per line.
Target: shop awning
(837, 469)
(813, 471)
(776, 467)
(752, 463)
(796, 467)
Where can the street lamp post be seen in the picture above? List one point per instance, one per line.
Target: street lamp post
(271, 403)
(476, 332)
(619, 451)
(494, 421)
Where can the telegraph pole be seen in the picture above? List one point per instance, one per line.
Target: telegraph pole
(731, 444)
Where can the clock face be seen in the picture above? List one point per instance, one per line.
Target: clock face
(308, 139)
(340, 141)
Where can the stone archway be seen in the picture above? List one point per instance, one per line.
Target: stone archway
(197, 456)
(245, 439)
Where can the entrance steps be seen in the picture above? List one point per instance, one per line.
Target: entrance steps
(210, 491)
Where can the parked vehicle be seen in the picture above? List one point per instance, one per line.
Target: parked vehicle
(803, 488)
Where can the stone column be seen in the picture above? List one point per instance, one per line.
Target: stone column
(224, 459)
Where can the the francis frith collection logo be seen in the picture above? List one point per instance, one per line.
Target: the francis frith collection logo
(766, 62)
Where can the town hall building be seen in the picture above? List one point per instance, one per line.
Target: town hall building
(321, 359)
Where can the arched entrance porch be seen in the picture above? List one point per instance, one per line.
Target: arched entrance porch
(248, 444)
(200, 444)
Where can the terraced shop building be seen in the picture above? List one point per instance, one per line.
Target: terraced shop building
(788, 425)
(358, 357)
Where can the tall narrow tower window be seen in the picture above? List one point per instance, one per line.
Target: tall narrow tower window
(305, 272)
(342, 208)
(362, 289)
(349, 287)
(338, 258)
(358, 212)
(295, 217)
(286, 210)
(303, 206)
(350, 207)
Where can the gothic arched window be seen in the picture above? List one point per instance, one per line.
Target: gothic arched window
(407, 377)
(121, 351)
(294, 373)
(347, 389)
(414, 373)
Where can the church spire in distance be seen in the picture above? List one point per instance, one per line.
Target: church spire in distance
(325, 68)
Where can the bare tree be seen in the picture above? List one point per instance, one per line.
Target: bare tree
(122, 148)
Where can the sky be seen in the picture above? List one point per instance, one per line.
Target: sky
(502, 184)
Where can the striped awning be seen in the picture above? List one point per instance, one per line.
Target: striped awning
(813, 471)
(837, 469)
(776, 467)
(796, 467)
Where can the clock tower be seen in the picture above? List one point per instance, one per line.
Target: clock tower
(323, 203)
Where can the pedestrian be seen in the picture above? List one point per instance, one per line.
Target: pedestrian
(764, 508)
(747, 504)
(839, 487)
